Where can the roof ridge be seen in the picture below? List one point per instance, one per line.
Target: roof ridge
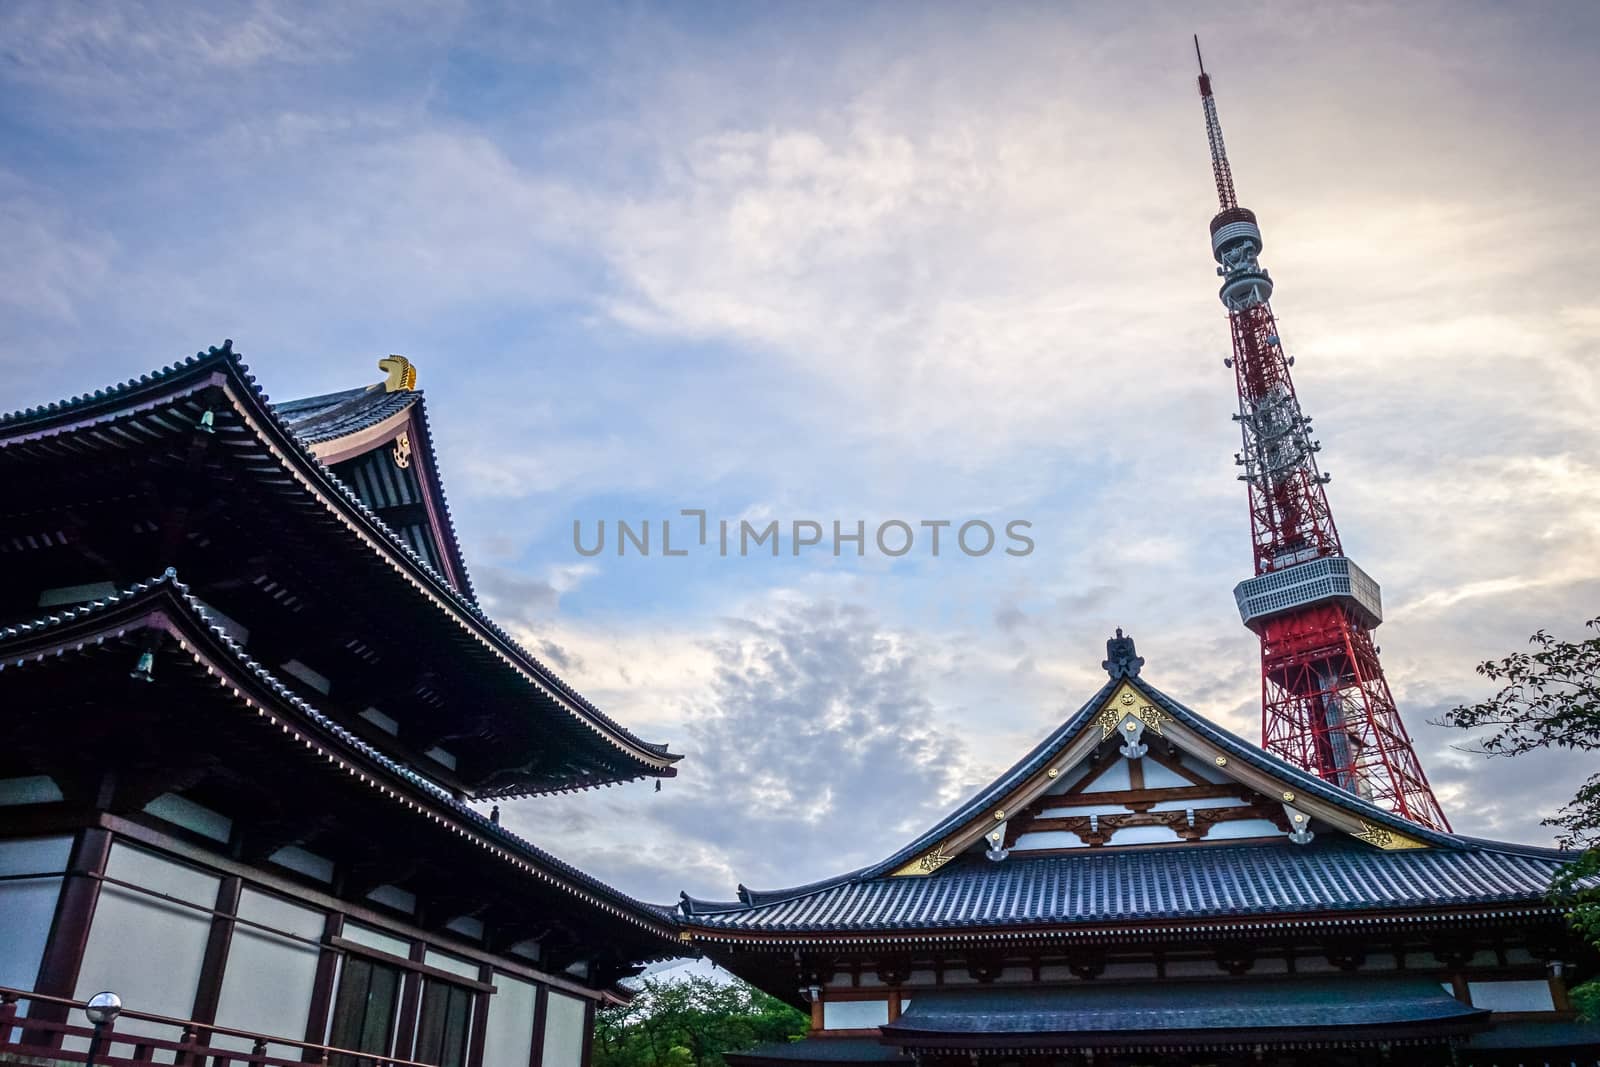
(116, 389)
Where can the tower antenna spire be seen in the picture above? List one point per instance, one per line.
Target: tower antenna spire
(1219, 151)
(1325, 704)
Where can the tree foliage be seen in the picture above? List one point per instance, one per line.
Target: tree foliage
(1550, 698)
(690, 1022)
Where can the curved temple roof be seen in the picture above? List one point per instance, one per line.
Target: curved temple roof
(1380, 862)
(349, 426)
(281, 432)
(165, 603)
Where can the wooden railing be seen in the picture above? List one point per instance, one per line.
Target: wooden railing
(39, 1036)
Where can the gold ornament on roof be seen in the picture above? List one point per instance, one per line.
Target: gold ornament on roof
(402, 450)
(1110, 719)
(402, 375)
(934, 860)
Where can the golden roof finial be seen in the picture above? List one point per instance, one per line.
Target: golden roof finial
(402, 375)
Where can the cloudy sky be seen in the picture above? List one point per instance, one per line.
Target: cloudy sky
(861, 262)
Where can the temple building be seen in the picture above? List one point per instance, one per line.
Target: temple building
(248, 695)
(1146, 888)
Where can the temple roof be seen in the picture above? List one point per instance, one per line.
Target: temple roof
(1361, 859)
(316, 419)
(214, 393)
(164, 605)
(844, 1050)
(1150, 885)
(1269, 1012)
(352, 431)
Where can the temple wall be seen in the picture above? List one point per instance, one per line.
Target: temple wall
(278, 971)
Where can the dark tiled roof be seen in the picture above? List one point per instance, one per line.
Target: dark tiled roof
(843, 1050)
(1538, 1035)
(853, 886)
(1151, 1013)
(1231, 743)
(1177, 883)
(330, 730)
(113, 399)
(315, 419)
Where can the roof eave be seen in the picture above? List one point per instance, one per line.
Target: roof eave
(222, 368)
(164, 603)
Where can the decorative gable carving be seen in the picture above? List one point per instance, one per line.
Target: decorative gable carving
(1134, 774)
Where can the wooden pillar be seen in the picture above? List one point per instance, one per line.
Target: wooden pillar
(588, 1033)
(480, 1019)
(69, 933)
(209, 993)
(541, 1009)
(1558, 990)
(894, 1004)
(322, 990)
(410, 999)
(816, 1008)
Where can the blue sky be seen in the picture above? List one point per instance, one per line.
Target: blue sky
(864, 261)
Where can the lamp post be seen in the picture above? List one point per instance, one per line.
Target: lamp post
(102, 1010)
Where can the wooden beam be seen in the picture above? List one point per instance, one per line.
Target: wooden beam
(1132, 797)
(1176, 767)
(208, 993)
(69, 933)
(541, 1014)
(322, 990)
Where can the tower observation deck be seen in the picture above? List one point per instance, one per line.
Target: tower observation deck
(1325, 705)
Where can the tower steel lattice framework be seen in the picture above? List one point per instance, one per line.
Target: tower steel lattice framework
(1325, 705)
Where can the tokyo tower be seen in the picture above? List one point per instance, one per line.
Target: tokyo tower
(1325, 705)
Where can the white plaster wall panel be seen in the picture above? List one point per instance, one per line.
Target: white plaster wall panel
(1532, 994)
(268, 981)
(148, 950)
(854, 1014)
(508, 1038)
(563, 1031)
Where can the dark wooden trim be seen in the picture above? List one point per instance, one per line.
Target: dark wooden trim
(322, 988)
(1558, 992)
(480, 1018)
(1082, 784)
(588, 1034)
(541, 1014)
(1176, 767)
(69, 931)
(38, 820)
(405, 1036)
(209, 991)
(413, 965)
(1151, 795)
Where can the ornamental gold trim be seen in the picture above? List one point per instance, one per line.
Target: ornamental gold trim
(1385, 838)
(1124, 704)
(926, 863)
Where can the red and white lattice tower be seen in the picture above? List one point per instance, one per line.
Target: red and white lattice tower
(1325, 705)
